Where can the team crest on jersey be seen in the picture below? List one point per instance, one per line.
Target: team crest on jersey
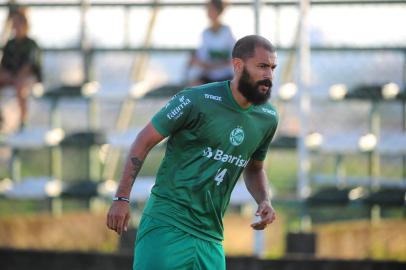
(237, 136)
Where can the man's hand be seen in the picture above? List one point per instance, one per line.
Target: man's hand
(119, 213)
(267, 215)
(118, 216)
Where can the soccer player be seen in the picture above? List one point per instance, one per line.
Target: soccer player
(216, 132)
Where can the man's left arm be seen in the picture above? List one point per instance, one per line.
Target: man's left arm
(257, 184)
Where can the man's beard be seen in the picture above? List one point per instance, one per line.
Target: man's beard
(250, 90)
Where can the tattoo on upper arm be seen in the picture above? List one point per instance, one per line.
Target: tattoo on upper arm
(137, 164)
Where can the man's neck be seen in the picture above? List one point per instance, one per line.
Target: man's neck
(238, 97)
(20, 36)
(215, 26)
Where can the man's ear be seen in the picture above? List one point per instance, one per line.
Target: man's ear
(238, 65)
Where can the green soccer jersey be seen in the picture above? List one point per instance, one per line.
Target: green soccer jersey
(211, 140)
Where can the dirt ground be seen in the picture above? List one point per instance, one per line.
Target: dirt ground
(88, 232)
(73, 231)
(362, 239)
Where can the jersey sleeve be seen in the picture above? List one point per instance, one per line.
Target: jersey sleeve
(260, 152)
(174, 115)
(202, 52)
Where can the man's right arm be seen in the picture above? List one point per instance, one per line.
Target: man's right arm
(119, 213)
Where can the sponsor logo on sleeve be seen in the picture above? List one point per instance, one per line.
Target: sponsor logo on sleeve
(271, 112)
(177, 111)
(212, 97)
(169, 102)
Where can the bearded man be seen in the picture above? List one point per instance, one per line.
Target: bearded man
(215, 133)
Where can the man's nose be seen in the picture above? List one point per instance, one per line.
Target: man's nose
(268, 74)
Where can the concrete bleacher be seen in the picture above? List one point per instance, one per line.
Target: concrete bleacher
(93, 92)
(338, 187)
(32, 139)
(34, 188)
(35, 138)
(120, 91)
(343, 196)
(54, 137)
(392, 144)
(122, 140)
(328, 179)
(354, 143)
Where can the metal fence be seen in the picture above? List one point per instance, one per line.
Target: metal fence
(352, 43)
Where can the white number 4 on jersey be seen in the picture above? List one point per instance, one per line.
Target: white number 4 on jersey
(220, 176)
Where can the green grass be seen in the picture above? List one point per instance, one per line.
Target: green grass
(16, 207)
(281, 168)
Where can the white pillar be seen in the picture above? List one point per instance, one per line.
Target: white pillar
(257, 15)
(303, 82)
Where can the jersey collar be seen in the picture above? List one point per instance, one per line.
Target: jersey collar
(234, 102)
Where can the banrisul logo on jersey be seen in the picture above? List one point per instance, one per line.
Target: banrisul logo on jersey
(237, 136)
(220, 155)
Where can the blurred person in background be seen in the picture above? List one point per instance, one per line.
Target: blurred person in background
(215, 133)
(212, 60)
(20, 65)
(6, 31)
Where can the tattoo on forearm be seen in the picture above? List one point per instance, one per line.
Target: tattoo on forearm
(137, 164)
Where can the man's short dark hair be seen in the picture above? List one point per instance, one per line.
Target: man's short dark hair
(219, 5)
(245, 47)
